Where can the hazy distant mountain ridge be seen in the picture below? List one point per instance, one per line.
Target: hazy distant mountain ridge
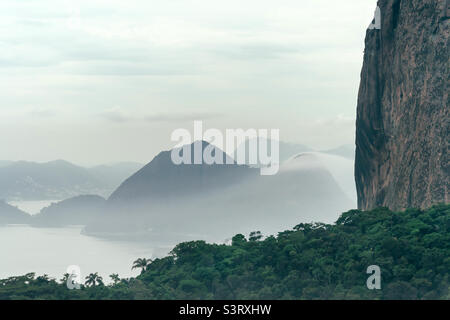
(346, 151)
(286, 150)
(206, 200)
(340, 167)
(162, 179)
(216, 200)
(80, 210)
(12, 215)
(58, 180)
(113, 175)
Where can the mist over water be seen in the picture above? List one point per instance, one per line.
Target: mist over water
(24, 249)
(162, 205)
(32, 207)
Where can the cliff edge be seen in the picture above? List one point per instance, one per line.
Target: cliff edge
(402, 128)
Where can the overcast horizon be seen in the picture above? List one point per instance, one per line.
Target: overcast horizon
(95, 82)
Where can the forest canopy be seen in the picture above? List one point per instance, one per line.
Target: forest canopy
(311, 261)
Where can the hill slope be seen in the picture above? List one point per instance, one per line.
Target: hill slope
(59, 179)
(161, 179)
(312, 261)
(213, 201)
(80, 210)
(12, 215)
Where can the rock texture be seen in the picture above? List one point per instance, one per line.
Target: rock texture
(402, 119)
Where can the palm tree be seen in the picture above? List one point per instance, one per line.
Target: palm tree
(65, 278)
(115, 278)
(93, 280)
(141, 263)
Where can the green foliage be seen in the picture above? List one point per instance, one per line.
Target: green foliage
(141, 263)
(94, 280)
(312, 261)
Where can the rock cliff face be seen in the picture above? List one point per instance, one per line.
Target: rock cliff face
(402, 130)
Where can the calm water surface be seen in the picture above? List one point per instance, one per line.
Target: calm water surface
(49, 251)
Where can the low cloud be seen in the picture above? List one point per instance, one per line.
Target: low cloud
(116, 114)
(191, 116)
(119, 115)
(260, 51)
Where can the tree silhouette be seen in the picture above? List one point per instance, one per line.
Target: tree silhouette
(93, 280)
(141, 263)
(65, 278)
(115, 278)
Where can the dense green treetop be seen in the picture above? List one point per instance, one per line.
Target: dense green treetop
(312, 261)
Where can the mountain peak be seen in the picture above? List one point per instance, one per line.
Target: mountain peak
(161, 178)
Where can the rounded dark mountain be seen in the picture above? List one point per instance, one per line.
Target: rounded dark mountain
(161, 179)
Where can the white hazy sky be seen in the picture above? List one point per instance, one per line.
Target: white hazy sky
(100, 81)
